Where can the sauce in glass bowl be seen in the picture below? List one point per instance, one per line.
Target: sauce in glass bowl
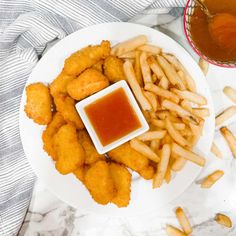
(216, 37)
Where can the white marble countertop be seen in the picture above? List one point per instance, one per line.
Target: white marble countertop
(47, 215)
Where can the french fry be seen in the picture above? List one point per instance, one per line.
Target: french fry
(225, 115)
(137, 68)
(173, 231)
(204, 65)
(150, 49)
(128, 45)
(230, 139)
(212, 179)
(223, 220)
(192, 97)
(154, 78)
(196, 131)
(161, 92)
(188, 155)
(130, 75)
(170, 72)
(130, 54)
(216, 151)
(168, 175)
(175, 134)
(182, 76)
(162, 166)
(167, 139)
(183, 221)
(146, 72)
(175, 107)
(230, 93)
(201, 112)
(178, 164)
(155, 144)
(144, 149)
(151, 97)
(179, 67)
(161, 124)
(152, 135)
(155, 67)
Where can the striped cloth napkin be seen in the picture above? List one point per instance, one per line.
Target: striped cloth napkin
(26, 27)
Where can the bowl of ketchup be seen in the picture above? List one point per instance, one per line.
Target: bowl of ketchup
(213, 38)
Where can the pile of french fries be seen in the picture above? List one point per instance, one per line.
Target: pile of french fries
(167, 95)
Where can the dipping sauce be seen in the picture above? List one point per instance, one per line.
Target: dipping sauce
(216, 37)
(112, 117)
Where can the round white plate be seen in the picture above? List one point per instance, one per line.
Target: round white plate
(143, 198)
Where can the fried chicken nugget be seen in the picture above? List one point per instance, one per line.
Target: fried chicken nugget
(69, 151)
(126, 155)
(59, 85)
(49, 132)
(99, 66)
(86, 57)
(66, 106)
(87, 83)
(122, 180)
(38, 103)
(90, 151)
(113, 69)
(80, 172)
(99, 182)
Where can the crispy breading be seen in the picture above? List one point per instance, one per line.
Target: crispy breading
(39, 103)
(122, 180)
(90, 151)
(49, 132)
(66, 106)
(113, 69)
(59, 85)
(69, 151)
(87, 83)
(86, 57)
(147, 173)
(80, 172)
(126, 155)
(99, 66)
(99, 182)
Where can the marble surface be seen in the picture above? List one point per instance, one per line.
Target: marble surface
(47, 215)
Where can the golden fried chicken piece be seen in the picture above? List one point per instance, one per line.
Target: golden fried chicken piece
(122, 180)
(69, 151)
(59, 85)
(99, 182)
(147, 173)
(113, 69)
(90, 151)
(66, 106)
(50, 131)
(87, 83)
(86, 57)
(39, 103)
(126, 155)
(80, 172)
(98, 66)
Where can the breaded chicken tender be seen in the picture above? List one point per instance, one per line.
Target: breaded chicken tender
(66, 106)
(50, 131)
(59, 85)
(80, 172)
(113, 69)
(87, 83)
(126, 155)
(39, 103)
(98, 66)
(69, 151)
(86, 57)
(99, 182)
(147, 173)
(90, 151)
(122, 180)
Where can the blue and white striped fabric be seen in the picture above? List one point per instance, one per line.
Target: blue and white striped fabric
(26, 27)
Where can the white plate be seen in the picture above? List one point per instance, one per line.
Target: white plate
(143, 198)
